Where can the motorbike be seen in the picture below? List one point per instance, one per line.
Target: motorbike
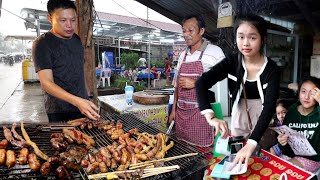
(11, 61)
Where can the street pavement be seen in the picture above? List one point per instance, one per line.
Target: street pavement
(19, 100)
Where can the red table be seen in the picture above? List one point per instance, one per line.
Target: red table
(266, 167)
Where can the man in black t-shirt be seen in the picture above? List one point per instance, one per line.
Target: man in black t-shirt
(58, 56)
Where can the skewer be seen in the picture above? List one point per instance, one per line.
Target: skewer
(164, 159)
(102, 175)
(161, 168)
(157, 171)
(147, 172)
(141, 166)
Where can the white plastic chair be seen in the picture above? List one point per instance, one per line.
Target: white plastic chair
(157, 79)
(105, 74)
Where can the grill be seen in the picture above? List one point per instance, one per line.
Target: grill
(188, 165)
(42, 139)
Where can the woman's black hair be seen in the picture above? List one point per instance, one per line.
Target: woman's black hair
(258, 22)
(56, 4)
(199, 18)
(313, 80)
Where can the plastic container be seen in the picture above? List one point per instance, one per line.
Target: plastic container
(28, 72)
(129, 93)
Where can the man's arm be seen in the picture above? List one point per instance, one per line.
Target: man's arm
(86, 107)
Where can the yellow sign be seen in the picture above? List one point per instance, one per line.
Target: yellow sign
(156, 117)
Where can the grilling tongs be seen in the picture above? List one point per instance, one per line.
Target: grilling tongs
(51, 127)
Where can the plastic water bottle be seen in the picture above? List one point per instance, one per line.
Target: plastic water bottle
(129, 93)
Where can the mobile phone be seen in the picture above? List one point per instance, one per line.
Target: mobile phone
(235, 147)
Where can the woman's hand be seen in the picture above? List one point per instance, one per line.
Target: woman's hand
(315, 94)
(186, 83)
(243, 156)
(219, 125)
(283, 139)
(87, 108)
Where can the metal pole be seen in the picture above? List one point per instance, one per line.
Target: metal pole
(119, 52)
(148, 50)
(38, 27)
(296, 59)
(149, 46)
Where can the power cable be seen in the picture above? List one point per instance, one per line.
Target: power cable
(19, 16)
(137, 16)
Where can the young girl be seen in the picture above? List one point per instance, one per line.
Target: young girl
(281, 110)
(251, 69)
(304, 118)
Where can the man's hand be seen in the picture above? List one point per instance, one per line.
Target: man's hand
(283, 139)
(87, 108)
(243, 156)
(186, 83)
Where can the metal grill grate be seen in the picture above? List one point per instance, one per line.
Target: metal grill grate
(42, 139)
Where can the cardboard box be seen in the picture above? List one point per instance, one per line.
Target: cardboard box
(316, 44)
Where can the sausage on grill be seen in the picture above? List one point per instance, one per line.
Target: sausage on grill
(10, 158)
(4, 143)
(45, 169)
(2, 156)
(62, 173)
(34, 164)
(103, 167)
(92, 167)
(23, 156)
(84, 163)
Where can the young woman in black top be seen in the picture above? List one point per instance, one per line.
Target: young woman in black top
(259, 76)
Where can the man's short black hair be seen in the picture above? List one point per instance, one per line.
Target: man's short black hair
(199, 18)
(56, 4)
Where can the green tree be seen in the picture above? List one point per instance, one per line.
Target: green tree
(129, 59)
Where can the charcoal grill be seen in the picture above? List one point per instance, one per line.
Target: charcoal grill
(188, 165)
